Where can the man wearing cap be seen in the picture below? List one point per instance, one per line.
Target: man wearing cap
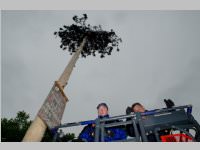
(112, 133)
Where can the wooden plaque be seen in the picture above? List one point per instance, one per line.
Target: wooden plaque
(53, 108)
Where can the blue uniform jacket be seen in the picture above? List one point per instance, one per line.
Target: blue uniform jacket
(111, 134)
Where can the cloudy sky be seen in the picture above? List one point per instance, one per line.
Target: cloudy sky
(159, 58)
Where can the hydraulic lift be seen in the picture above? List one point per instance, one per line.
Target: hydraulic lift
(178, 120)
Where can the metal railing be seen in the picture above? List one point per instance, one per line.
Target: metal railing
(143, 123)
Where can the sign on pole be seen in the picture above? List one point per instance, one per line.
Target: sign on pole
(53, 108)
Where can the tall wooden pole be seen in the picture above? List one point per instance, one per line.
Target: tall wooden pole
(38, 127)
(68, 70)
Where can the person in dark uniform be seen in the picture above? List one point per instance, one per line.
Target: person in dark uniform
(111, 133)
(137, 107)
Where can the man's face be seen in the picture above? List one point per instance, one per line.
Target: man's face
(102, 111)
(139, 108)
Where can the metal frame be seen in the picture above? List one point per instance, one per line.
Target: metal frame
(153, 121)
(173, 118)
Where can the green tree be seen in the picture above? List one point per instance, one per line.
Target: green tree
(68, 137)
(13, 130)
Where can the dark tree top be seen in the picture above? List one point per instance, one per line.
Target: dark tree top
(97, 39)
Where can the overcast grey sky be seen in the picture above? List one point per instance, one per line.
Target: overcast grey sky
(159, 58)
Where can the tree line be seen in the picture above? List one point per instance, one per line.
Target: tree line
(14, 129)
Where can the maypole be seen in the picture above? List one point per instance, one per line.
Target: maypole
(78, 39)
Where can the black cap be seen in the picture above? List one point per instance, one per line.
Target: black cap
(102, 104)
